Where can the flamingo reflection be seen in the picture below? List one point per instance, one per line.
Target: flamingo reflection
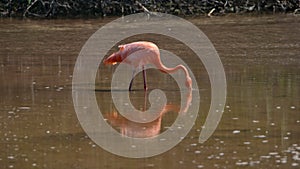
(145, 130)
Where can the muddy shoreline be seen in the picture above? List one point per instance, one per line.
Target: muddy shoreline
(95, 9)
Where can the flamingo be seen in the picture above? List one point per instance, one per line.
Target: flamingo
(138, 54)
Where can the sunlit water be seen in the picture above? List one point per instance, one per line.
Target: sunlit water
(260, 126)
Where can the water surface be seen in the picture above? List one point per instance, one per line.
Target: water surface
(260, 126)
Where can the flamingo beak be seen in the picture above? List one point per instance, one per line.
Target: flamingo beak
(108, 61)
(111, 60)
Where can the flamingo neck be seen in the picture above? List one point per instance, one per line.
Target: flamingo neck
(176, 68)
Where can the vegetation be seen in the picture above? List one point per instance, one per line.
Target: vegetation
(102, 8)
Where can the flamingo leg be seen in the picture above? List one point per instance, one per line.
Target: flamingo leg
(145, 80)
(130, 85)
(145, 100)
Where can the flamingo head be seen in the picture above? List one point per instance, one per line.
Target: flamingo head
(115, 57)
(112, 59)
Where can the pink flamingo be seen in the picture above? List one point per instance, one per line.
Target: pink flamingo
(139, 54)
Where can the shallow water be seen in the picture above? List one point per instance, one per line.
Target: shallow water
(260, 126)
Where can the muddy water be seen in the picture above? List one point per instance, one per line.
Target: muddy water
(260, 126)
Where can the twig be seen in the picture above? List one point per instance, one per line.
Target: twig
(144, 8)
(52, 9)
(211, 11)
(296, 12)
(9, 7)
(27, 9)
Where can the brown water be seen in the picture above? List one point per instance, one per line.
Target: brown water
(260, 126)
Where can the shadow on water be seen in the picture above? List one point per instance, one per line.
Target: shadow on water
(260, 126)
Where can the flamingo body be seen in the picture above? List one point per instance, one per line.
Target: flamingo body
(138, 54)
